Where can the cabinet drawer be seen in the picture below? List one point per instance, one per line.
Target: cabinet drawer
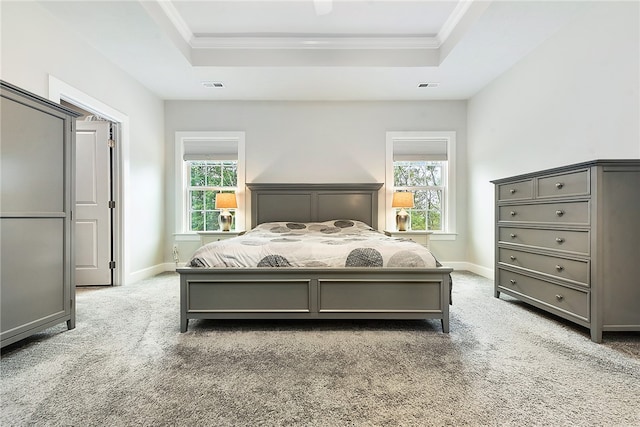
(516, 190)
(576, 271)
(568, 300)
(566, 184)
(571, 241)
(551, 213)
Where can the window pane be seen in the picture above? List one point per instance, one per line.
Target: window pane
(400, 174)
(434, 200)
(420, 199)
(433, 173)
(435, 220)
(418, 219)
(209, 200)
(197, 221)
(212, 221)
(197, 174)
(197, 200)
(214, 174)
(230, 174)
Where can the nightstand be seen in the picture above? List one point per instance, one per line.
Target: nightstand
(418, 236)
(215, 236)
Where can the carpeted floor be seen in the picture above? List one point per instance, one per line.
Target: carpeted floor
(504, 363)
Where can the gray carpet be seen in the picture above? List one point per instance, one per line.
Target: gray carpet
(503, 363)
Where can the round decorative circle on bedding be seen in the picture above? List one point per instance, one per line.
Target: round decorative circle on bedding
(274, 261)
(406, 259)
(343, 223)
(330, 230)
(296, 226)
(279, 229)
(364, 257)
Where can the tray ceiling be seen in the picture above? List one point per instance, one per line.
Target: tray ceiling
(290, 50)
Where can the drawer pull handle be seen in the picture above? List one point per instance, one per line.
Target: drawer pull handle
(559, 267)
(513, 281)
(559, 240)
(559, 297)
(513, 236)
(512, 258)
(512, 213)
(559, 185)
(559, 212)
(512, 191)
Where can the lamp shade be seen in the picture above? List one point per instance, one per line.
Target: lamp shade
(226, 201)
(402, 199)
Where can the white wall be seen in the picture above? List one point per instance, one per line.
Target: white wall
(34, 46)
(575, 98)
(319, 142)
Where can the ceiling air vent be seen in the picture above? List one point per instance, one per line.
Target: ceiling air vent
(430, 84)
(213, 85)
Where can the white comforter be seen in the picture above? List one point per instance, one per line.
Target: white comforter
(338, 243)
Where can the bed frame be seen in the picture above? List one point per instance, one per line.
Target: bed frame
(314, 293)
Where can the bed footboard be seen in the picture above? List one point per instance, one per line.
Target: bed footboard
(296, 293)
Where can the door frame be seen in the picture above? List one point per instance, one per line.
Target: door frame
(60, 91)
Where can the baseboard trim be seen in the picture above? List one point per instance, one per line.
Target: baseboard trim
(474, 268)
(146, 273)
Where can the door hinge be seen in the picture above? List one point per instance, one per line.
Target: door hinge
(112, 204)
(111, 143)
(112, 265)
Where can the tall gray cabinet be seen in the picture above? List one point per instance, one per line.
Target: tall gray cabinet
(37, 288)
(568, 242)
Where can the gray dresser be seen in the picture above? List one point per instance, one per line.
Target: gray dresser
(568, 242)
(36, 226)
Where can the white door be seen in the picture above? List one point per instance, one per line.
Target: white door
(93, 216)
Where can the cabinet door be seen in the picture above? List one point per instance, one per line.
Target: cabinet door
(33, 273)
(33, 159)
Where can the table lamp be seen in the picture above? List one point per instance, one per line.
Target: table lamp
(402, 200)
(226, 201)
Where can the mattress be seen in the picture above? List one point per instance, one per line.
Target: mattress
(328, 244)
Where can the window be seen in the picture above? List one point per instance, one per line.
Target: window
(424, 164)
(207, 163)
(206, 179)
(426, 180)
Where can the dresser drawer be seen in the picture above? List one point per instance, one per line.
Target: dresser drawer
(576, 271)
(570, 241)
(566, 184)
(517, 190)
(550, 213)
(568, 300)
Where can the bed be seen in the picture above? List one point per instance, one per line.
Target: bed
(296, 288)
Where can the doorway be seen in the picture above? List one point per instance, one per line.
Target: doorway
(96, 142)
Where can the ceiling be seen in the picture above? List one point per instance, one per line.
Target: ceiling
(295, 50)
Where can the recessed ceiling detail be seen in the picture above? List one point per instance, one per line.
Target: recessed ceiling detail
(383, 35)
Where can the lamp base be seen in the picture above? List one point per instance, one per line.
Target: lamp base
(403, 220)
(225, 220)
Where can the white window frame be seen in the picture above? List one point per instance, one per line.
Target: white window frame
(449, 233)
(182, 193)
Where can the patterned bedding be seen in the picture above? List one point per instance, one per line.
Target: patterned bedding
(337, 243)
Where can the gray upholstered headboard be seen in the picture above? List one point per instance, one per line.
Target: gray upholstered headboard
(314, 202)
